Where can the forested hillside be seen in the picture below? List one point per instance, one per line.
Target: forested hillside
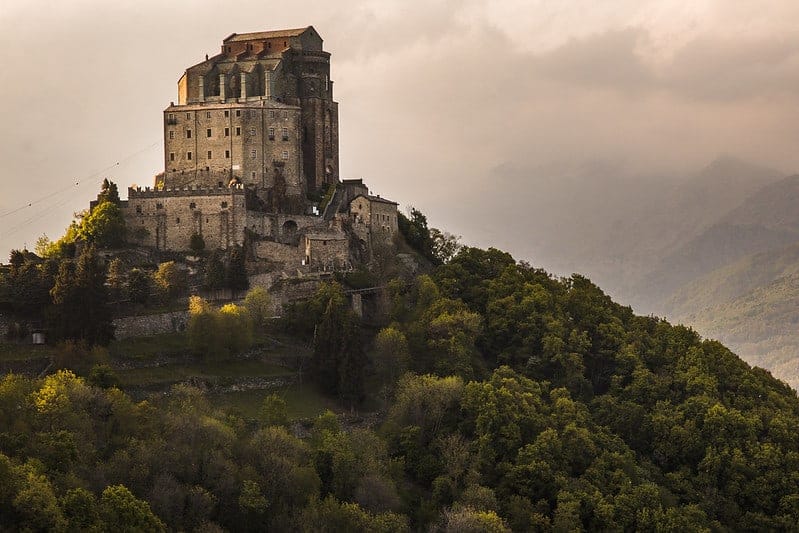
(512, 400)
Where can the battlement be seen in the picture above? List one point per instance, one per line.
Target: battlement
(149, 192)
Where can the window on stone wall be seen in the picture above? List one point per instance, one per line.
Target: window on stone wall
(188, 156)
(188, 115)
(271, 134)
(253, 154)
(209, 154)
(227, 113)
(253, 174)
(188, 134)
(208, 132)
(159, 206)
(177, 220)
(285, 134)
(238, 112)
(192, 206)
(238, 131)
(285, 154)
(227, 132)
(171, 156)
(224, 205)
(271, 114)
(171, 134)
(207, 114)
(227, 154)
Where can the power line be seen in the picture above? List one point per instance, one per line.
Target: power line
(92, 176)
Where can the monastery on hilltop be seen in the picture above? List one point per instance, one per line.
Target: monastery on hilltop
(251, 158)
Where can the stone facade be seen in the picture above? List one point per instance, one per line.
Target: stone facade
(377, 215)
(264, 69)
(254, 143)
(327, 251)
(166, 219)
(255, 129)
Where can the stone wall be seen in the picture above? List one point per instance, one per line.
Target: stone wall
(286, 255)
(327, 251)
(146, 325)
(205, 144)
(167, 219)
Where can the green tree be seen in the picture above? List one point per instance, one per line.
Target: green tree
(445, 245)
(196, 243)
(116, 278)
(391, 358)
(80, 301)
(236, 272)
(338, 359)
(417, 234)
(122, 511)
(103, 226)
(139, 287)
(214, 277)
(273, 411)
(170, 281)
(108, 192)
(258, 304)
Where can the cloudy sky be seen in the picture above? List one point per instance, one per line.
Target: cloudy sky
(436, 97)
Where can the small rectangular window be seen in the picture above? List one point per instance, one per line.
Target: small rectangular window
(192, 205)
(227, 113)
(188, 115)
(227, 132)
(227, 154)
(209, 154)
(285, 134)
(171, 116)
(271, 114)
(238, 112)
(253, 154)
(285, 154)
(188, 156)
(188, 134)
(171, 134)
(171, 156)
(208, 132)
(207, 114)
(224, 205)
(238, 131)
(271, 134)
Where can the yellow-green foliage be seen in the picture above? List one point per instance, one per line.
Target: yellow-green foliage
(218, 332)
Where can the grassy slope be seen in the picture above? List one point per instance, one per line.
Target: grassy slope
(302, 399)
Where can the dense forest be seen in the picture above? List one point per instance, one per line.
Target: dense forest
(511, 400)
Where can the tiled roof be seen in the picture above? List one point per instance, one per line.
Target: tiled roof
(237, 37)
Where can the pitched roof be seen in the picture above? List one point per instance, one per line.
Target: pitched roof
(237, 37)
(374, 199)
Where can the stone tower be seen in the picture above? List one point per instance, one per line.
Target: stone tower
(260, 114)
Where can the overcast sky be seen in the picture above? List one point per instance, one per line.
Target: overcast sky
(435, 97)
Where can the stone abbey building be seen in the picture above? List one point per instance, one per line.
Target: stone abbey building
(250, 148)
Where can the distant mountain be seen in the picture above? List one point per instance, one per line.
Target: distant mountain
(760, 325)
(732, 281)
(767, 220)
(603, 220)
